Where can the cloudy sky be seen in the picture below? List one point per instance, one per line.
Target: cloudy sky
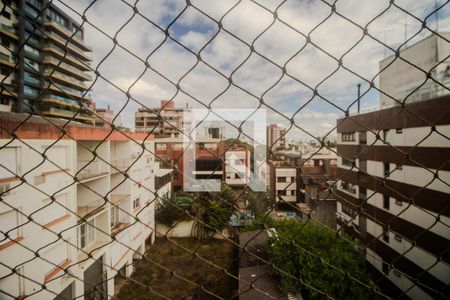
(224, 33)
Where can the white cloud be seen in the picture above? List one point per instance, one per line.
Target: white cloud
(333, 34)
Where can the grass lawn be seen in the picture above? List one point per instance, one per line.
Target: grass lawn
(185, 264)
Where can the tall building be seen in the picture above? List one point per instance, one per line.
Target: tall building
(399, 78)
(163, 121)
(86, 232)
(43, 62)
(276, 136)
(393, 194)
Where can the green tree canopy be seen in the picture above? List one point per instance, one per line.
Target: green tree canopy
(320, 259)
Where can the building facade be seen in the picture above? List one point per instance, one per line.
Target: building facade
(393, 194)
(276, 136)
(71, 222)
(163, 121)
(44, 62)
(401, 78)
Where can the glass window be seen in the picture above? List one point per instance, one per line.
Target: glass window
(386, 202)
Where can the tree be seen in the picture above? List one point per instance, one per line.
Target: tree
(259, 202)
(320, 259)
(172, 210)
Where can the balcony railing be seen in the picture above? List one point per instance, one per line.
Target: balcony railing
(90, 169)
(10, 31)
(69, 35)
(77, 51)
(63, 53)
(65, 66)
(65, 78)
(120, 164)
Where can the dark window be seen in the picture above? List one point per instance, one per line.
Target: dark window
(292, 179)
(385, 134)
(399, 130)
(386, 236)
(7, 15)
(386, 202)
(4, 101)
(4, 71)
(281, 179)
(281, 193)
(386, 169)
(385, 267)
(6, 43)
(398, 202)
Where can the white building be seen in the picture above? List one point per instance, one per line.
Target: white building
(400, 77)
(393, 194)
(58, 215)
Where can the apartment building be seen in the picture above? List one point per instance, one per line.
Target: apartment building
(50, 71)
(276, 136)
(163, 121)
(284, 179)
(237, 165)
(60, 213)
(401, 78)
(104, 117)
(393, 194)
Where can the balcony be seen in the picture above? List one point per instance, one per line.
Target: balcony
(91, 169)
(119, 165)
(67, 68)
(7, 60)
(96, 207)
(56, 112)
(76, 51)
(8, 31)
(65, 79)
(68, 35)
(68, 91)
(67, 57)
(60, 100)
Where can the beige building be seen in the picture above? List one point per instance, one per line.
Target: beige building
(276, 136)
(399, 78)
(163, 121)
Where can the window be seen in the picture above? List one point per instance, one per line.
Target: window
(31, 50)
(114, 216)
(136, 203)
(281, 193)
(281, 179)
(4, 101)
(292, 179)
(5, 43)
(397, 238)
(7, 15)
(349, 211)
(348, 187)
(348, 162)
(398, 130)
(386, 236)
(387, 169)
(348, 137)
(86, 234)
(385, 134)
(5, 71)
(386, 202)
(385, 267)
(398, 202)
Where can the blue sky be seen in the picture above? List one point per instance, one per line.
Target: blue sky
(276, 42)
